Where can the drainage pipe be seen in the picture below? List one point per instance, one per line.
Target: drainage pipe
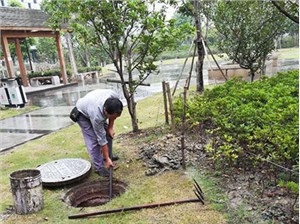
(139, 207)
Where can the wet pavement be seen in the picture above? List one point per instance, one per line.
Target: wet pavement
(20, 129)
(56, 103)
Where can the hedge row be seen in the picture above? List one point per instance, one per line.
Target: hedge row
(249, 121)
(57, 72)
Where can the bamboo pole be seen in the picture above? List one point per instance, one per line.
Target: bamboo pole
(186, 59)
(183, 129)
(165, 102)
(171, 107)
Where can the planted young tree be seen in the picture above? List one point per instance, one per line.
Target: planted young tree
(248, 31)
(132, 32)
(199, 10)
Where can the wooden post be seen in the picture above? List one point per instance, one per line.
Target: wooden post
(7, 56)
(183, 129)
(171, 107)
(21, 63)
(212, 55)
(61, 58)
(165, 102)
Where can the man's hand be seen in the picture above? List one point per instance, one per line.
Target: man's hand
(109, 163)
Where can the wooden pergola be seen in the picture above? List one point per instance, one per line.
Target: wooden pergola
(17, 24)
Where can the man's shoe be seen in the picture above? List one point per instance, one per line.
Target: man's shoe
(103, 172)
(115, 158)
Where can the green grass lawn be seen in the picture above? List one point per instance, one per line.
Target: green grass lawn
(11, 112)
(68, 143)
(287, 53)
(284, 53)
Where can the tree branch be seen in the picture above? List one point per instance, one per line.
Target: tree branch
(284, 12)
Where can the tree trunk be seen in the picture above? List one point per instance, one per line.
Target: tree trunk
(200, 50)
(131, 104)
(71, 55)
(263, 68)
(87, 57)
(252, 74)
(132, 111)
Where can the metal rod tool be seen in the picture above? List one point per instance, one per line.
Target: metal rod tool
(197, 191)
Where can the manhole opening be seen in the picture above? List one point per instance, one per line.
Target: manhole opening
(93, 193)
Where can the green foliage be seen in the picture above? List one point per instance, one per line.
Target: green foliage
(248, 30)
(132, 33)
(55, 72)
(290, 9)
(289, 41)
(23, 43)
(15, 3)
(245, 119)
(46, 49)
(291, 185)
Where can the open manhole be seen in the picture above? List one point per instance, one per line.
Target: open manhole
(93, 193)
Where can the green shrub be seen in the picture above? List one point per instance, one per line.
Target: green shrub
(55, 72)
(246, 119)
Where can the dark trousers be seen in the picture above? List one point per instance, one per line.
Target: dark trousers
(91, 143)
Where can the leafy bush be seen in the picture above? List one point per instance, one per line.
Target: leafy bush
(249, 121)
(55, 72)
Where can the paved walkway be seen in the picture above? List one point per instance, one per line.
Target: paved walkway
(17, 130)
(34, 90)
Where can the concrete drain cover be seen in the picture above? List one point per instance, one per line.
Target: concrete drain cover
(64, 171)
(93, 193)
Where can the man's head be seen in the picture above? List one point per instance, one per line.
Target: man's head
(113, 108)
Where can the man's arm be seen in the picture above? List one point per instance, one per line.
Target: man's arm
(110, 128)
(108, 162)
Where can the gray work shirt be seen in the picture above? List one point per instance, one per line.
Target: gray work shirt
(91, 106)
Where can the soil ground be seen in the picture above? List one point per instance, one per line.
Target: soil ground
(250, 196)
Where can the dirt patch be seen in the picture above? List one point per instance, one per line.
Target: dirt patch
(253, 197)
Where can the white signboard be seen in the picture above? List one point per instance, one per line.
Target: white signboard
(3, 97)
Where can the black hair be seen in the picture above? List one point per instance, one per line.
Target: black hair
(113, 106)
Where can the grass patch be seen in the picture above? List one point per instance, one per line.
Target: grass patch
(68, 143)
(284, 53)
(287, 53)
(6, 112)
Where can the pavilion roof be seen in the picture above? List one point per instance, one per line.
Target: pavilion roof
(13, 18)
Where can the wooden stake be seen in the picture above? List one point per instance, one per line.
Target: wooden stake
(171, 107)
(165, 102)
(183, 128)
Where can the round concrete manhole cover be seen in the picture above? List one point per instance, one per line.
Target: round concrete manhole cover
(64, 171)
